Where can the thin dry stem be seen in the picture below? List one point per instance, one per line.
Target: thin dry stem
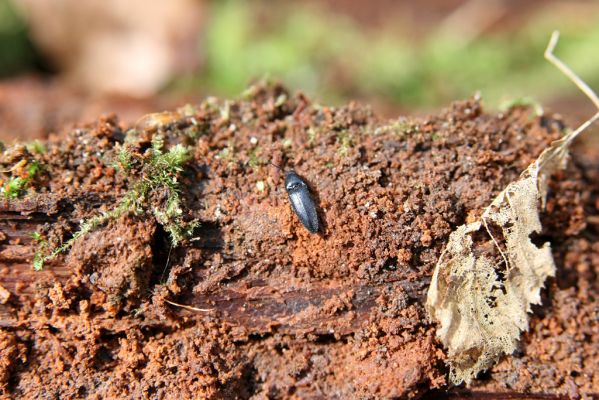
(581, 128)
(567, 70)
(482, 315)
(172, 303)
(586, 89)
(484, 220)
(559, 64)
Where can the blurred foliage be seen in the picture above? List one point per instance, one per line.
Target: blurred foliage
(16, 51)
(332, 58)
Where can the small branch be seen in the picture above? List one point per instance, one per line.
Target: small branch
(559, 64)
(582, 128)
(567, 70)
(484, 221)
(172, 303)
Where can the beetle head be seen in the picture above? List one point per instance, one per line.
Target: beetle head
(293, 181)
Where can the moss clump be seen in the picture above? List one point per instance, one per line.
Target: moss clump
(36, 147)
(22, 175)
(254, 159)
(344, 139)
(312, 134)
(155, 170)
(161, 171)
(42, 245)
(227, 154)
(535, 107)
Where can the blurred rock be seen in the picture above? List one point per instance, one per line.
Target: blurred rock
(128, 47)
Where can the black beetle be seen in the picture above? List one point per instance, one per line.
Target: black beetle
(301, 201)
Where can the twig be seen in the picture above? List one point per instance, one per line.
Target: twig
(168, 258)
(560, 145)
(476, 395)
(172, 303)
(581, 128)
(484, 221)
(559, 64)
(567, 70)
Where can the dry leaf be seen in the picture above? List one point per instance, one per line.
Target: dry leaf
(481, 302)
(481, 298)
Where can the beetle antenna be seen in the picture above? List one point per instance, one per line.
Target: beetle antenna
(275, 165)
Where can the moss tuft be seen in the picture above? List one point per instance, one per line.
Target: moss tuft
(344, 138)
(22, 175)
(36, 147)
(536, 109)
(156, 170)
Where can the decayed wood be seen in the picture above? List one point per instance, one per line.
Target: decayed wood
(257, 308)
(340, 311)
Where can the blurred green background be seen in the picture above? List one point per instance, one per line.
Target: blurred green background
(334, 58)
(16, 50)
(399, 56)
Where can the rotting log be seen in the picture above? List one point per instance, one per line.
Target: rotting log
(337, 314)
(255, 307)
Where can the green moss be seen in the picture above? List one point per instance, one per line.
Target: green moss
(345, 142)
(125, 160)
(527, 102)
(401, 127)
(36, 147)
(312, 135)
(405, 126)
(157, 170)
(36, 236)
(227, 154)
(17, 51)
(16, 186)
(306, 46)
(194, 132)
(225, 112)
(42, 245)
(254, 159)
(188, 110)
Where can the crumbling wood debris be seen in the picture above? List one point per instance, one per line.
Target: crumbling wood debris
(285, 312)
